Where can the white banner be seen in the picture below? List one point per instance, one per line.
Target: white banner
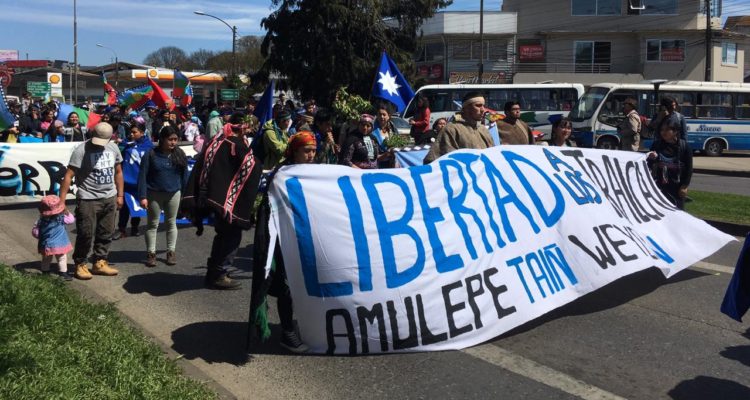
(29, 171)
(452, 254)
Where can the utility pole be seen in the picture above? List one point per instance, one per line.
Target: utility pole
(75, 54)
(709, 47)
(481, 41)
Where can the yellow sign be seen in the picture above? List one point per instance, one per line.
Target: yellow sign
(153, 73)
(54, 79)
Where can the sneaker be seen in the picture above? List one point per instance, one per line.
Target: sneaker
(119, 234)
(292, 342)
(82, 272)
(171, 258)
(150, 259)
(223, 282)
(134, 231)
(66, 276)
(101, 267)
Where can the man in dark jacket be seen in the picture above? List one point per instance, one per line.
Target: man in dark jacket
(224, 181)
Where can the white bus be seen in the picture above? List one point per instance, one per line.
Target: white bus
(717, 114)
(539, 101)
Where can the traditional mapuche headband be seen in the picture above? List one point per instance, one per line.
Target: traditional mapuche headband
(472, 100)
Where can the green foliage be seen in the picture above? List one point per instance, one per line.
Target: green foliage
(719, 207)
(396, 141)
(54, 345)
(349, 106)
(321, 45)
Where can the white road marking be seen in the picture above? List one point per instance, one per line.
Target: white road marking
(713, 267)
(533, 370)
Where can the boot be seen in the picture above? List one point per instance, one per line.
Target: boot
(171, 258)
(220, 280)
(82, 272)
(102, 268)
(150, 259)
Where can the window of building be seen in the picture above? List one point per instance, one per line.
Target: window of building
(714, 105)
(593, 56)
(665, 50)
(729, 53)
(461, 50)
(659, 7)
(596, 7)
(715, 8)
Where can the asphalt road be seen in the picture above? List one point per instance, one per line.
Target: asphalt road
(721, 184)
(642, 337)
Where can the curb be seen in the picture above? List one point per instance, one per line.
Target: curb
(730, 228)
(708, 171)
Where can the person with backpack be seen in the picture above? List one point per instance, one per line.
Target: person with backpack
(630, 127)
(671, 163)
(275, 138)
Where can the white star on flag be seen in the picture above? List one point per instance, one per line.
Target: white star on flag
(388, 83)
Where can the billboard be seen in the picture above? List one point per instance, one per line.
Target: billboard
(8, 55)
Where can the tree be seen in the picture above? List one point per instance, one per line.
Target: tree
(167, 57)
(199, 58)
(321, 45)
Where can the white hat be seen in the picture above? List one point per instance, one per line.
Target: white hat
(102, 134)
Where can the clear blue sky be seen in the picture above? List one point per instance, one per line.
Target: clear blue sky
(134, 28)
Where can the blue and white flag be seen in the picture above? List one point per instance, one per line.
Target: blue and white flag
(737, 298)
(391, 85)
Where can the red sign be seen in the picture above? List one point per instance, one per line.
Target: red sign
(27, 63)
(423, 70)
(531, 53)
(436, 72)
(674, 54)
(6, 75)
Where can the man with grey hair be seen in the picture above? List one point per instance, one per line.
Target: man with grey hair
(466, 132)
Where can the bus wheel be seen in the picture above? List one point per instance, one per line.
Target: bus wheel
(607, 143)
(714, 148)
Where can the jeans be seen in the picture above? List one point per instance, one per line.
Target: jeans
(95, 221)
(170, 203)
(226, 241)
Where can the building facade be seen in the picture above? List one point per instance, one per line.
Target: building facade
(450, 50)
(591, 41)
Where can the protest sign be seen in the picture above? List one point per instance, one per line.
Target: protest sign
(29, 171)
(452, 254)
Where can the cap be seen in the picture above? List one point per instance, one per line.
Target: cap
(283, 115)
(102, 134)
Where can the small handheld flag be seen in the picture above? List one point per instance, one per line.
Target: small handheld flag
(135, 98)
(110, 94)
(391, 85)
(159, 97)
(182, 89)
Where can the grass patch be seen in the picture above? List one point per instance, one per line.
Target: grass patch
(719, 207)
(55, 345)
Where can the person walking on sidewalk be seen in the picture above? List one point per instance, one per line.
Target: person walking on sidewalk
(96, 165)
(161, 178)
(53, 238)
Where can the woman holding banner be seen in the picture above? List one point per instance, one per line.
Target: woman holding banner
(300, 150)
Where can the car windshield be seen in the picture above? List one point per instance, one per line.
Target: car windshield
(587, 104)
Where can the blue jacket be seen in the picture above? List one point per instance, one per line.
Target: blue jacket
(158, 173)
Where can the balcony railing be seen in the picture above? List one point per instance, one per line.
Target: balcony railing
(578, 68)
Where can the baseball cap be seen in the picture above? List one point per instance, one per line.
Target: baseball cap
(102, 134)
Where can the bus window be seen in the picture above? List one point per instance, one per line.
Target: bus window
(685, 102)
(612, 111)
(497, 98)
(587, 104)
(714, 105)
(742, 110)
(567, 98)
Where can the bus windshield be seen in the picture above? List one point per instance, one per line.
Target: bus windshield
(587, 104)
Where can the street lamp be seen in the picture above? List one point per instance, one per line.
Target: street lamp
(234, 37)
(117, 62)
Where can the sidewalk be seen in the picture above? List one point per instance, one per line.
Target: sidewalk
(728, 164)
